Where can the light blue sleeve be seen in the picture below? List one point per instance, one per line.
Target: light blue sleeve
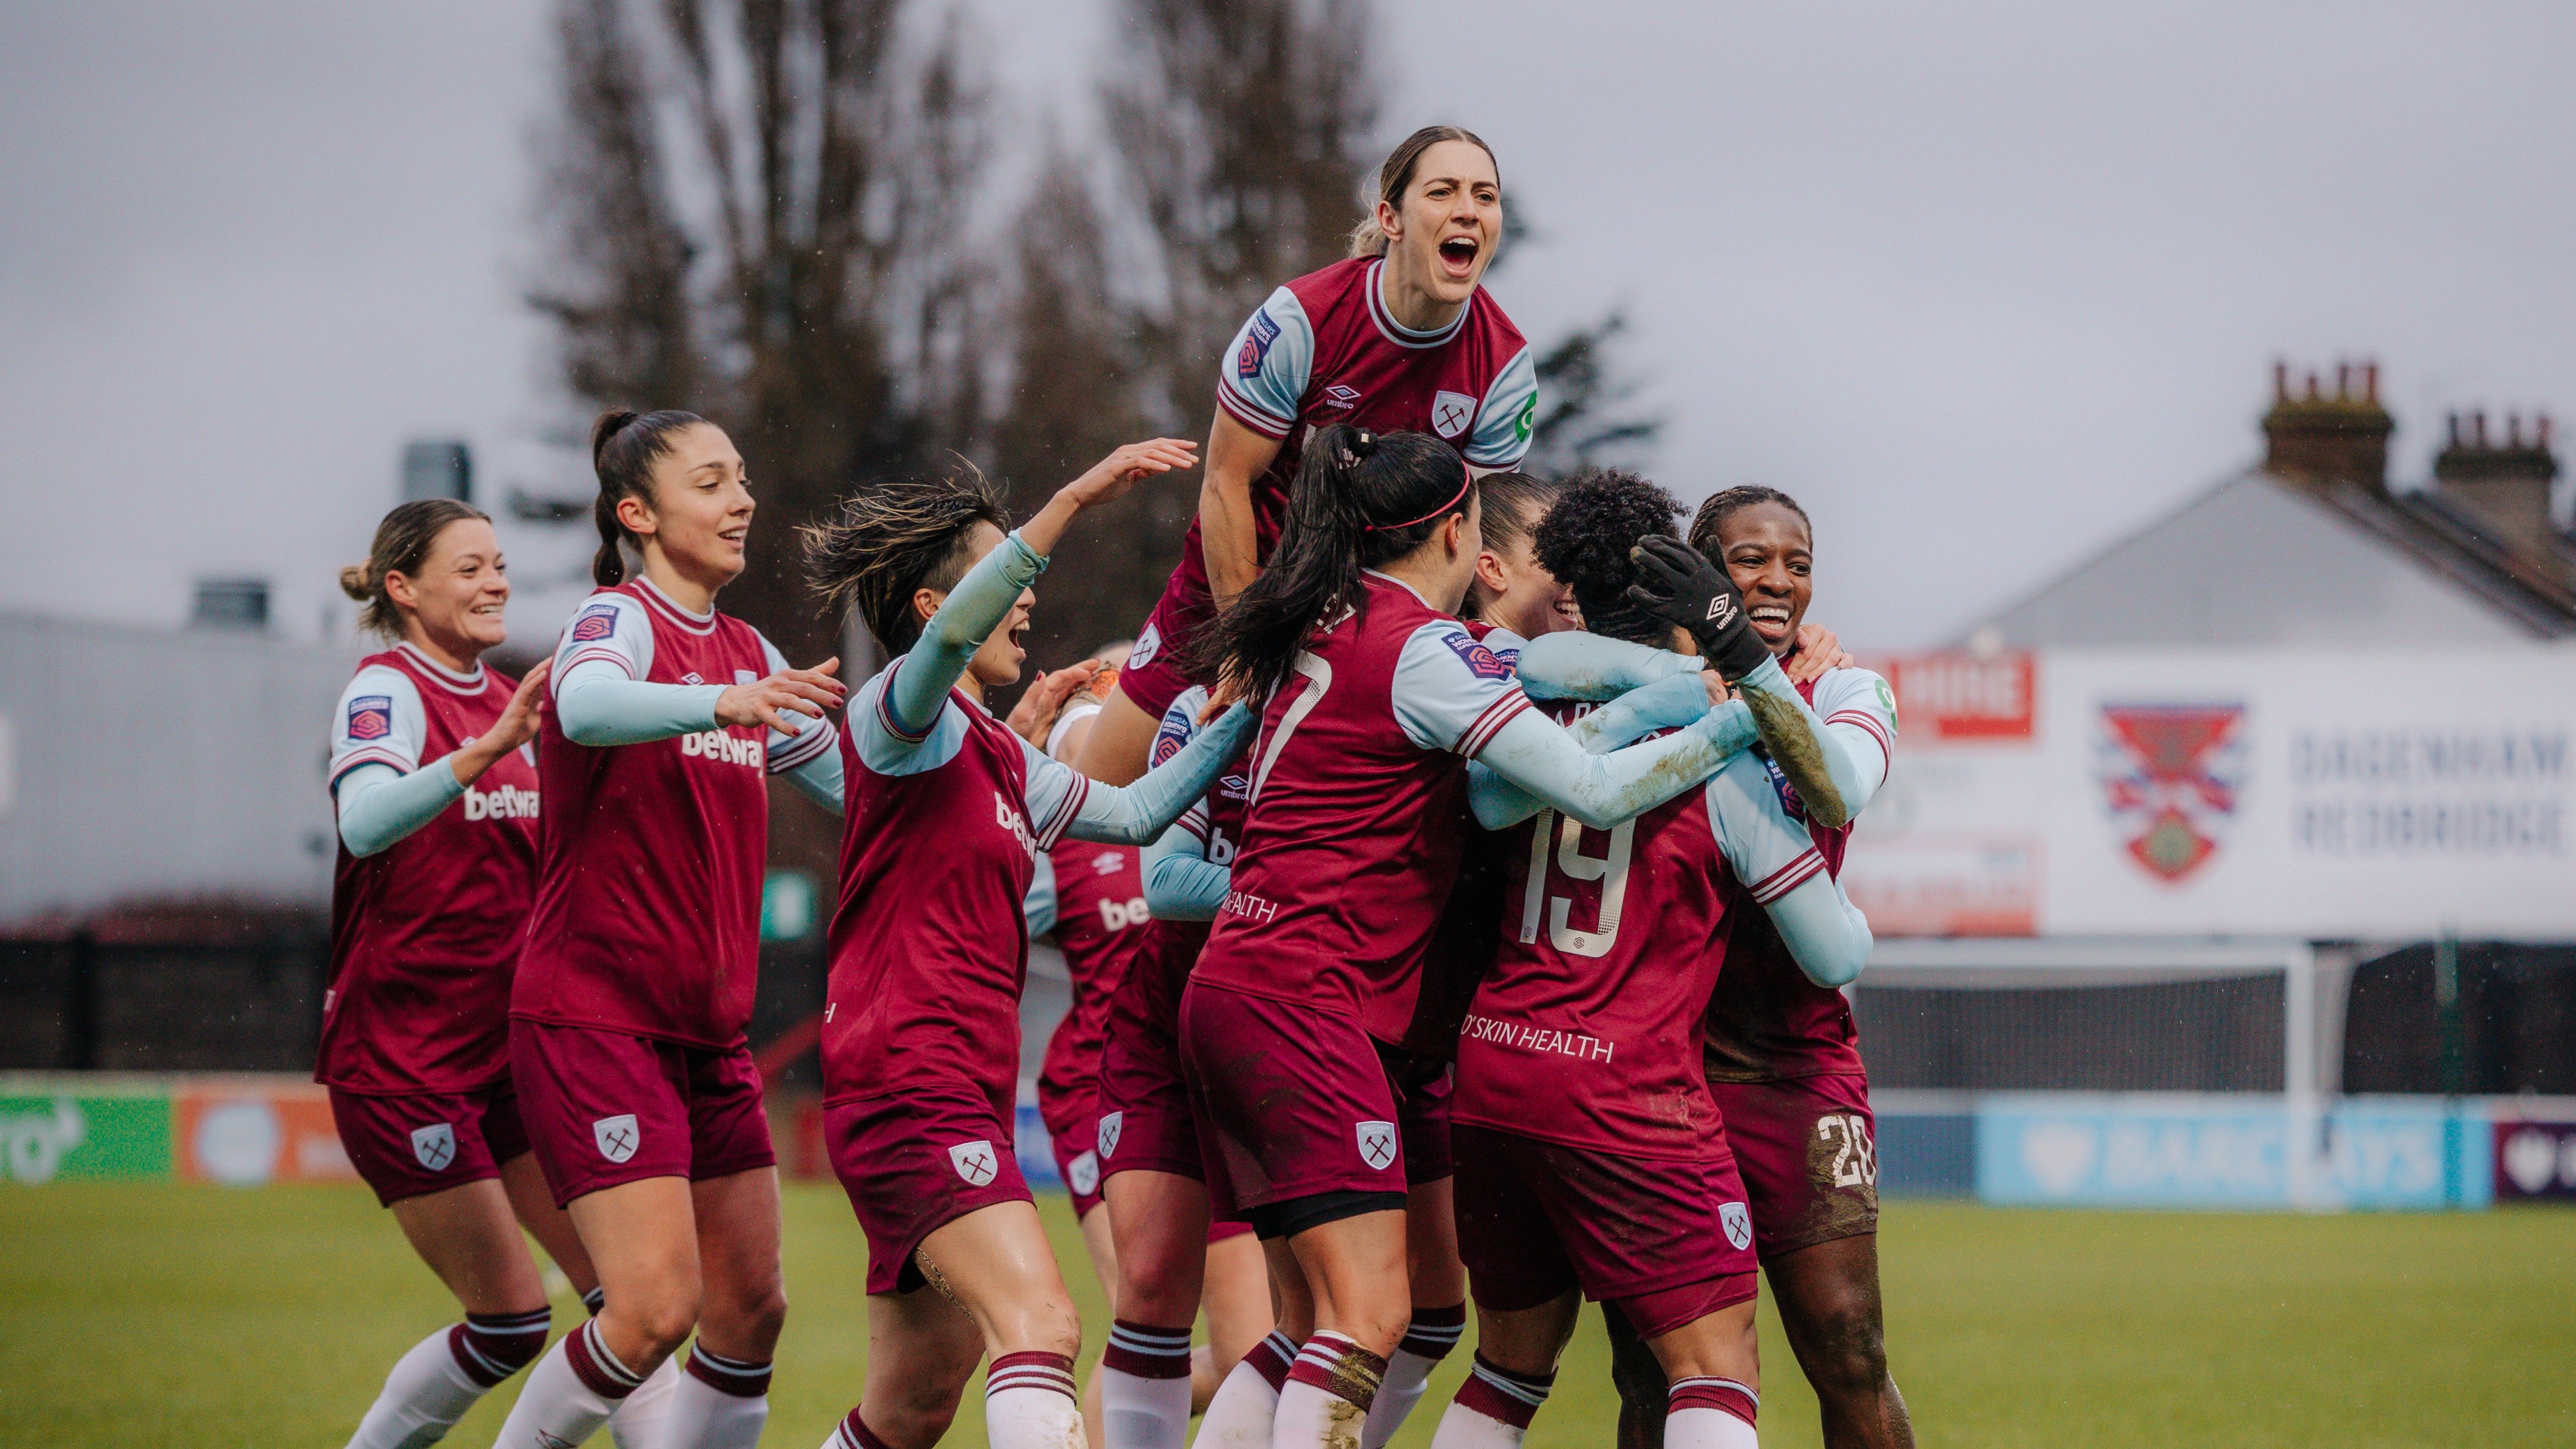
(818, 779)
(912, 700)
(380, 805)
(1137, 813)
(1667, 704)
(598, 705)
(1040, 904)
(1775, 857)
(1780, 727)
(1536, 754)
(1507, 416)
(1576, 665)
(1181, 883)
(1262, 381)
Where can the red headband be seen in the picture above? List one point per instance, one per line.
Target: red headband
(1466, 483)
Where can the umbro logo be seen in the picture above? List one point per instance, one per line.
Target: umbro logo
(1340, 396)
(1721, 609)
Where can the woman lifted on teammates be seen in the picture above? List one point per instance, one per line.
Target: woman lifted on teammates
(1398, 336)
(437, 803)
(627, 1016)
(1783, 1058)
(1628, 1194)
(929, 947)
(1374, 697)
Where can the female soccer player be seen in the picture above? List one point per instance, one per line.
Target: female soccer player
(1511, 592)
(1783, 1058)
(636, 981)
(1627, 1191)
(1374, 697)
(426, 906)
(1401, 335)
(948, 811)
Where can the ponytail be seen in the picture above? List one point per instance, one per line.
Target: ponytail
(1360, 499)
(402, 545)
(624, 444)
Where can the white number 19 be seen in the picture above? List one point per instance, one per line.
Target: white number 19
(1566, 834)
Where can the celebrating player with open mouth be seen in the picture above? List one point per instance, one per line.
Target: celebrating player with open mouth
(948, 810)
(1374, 698)
(1401, 335)
(627, 1016)
(1783, 1057)
(1626, 1192)
(437, 802)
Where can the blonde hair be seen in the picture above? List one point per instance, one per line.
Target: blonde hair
(402, 545)
(1392, 178)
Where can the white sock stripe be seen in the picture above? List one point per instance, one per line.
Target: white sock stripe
(1506, 1387)
(1680, 1384)
(841, 1436)
(509, 1322)
(1160, 1344)
(485, 1359)
(1029, 1376)
(608, 1363)
(1286, 1346)
(1437, 1333)
(739, 1368)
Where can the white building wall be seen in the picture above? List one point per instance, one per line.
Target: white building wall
(151, 764)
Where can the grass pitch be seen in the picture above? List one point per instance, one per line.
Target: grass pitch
(174, 1314)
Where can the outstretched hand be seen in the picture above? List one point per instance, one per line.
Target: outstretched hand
(1113, 477)
(1677, 585)
(789, 692)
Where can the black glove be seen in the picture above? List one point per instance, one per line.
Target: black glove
(1675, 583)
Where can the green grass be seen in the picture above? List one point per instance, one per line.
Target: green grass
(175, 1314)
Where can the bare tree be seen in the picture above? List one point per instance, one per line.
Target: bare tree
(1585, 419)
(1238, 126)
(1075, 370)
(759, 212)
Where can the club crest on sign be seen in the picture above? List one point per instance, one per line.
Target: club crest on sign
(975, 1161)
(617, 1136)
(2171, 775)
(1737, 1222)
(1377, 1144)
(434, 1145)
(1451, 412)
(1083, 1174)
(1110, 1123)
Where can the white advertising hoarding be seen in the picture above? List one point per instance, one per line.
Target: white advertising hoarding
(2324, 794)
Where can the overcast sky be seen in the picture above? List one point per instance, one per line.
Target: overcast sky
(1986, 286)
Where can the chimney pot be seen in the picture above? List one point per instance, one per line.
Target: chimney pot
(2370, 381)
(2321, 442)
(2454, 422)
(2504, 484)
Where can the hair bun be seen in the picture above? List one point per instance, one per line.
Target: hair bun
(1357, 443)
(354, 582)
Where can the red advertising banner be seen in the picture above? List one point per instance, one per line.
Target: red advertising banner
(1957, 697)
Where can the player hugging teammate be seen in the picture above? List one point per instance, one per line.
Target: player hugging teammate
(1484, 943)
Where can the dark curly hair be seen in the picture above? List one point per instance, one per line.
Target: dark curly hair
(1584, 542)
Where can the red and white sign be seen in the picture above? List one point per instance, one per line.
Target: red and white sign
(2324, 794)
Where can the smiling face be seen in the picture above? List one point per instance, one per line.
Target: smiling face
(1520, 595)
(453, 604)
(700, 512)
(1768, 553)
(1441, 233)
